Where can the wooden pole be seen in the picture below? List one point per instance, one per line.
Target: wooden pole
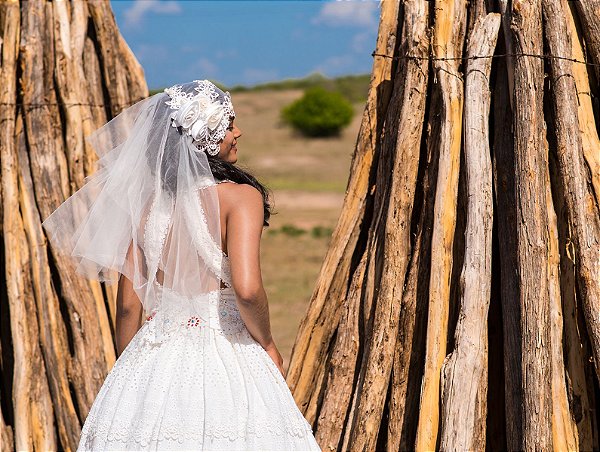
(464, 382)
(448, 37)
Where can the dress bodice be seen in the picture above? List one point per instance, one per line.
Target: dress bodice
(175, 313)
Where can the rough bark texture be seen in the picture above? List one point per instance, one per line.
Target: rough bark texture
(493, 207)
(308, 356)
(448, 41)
(465, 369)
(60, 340)
(400, 145)
(581, 204)
(531, 166)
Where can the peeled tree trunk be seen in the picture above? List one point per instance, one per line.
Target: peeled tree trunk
(577, 189)
(464, 382)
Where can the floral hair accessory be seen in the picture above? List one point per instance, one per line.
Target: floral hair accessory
(203, 115)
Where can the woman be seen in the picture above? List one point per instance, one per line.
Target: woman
(170, 214)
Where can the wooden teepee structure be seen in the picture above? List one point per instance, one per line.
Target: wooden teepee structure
(65, 70)
(458, 306)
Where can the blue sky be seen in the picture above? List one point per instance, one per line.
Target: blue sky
(248, 42)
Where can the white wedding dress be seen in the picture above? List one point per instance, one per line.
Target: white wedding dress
(207, 386)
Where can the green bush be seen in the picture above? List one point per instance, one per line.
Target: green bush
(292, 230)
(321, 231)
(319, 113)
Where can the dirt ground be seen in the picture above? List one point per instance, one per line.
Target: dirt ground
(307, 178)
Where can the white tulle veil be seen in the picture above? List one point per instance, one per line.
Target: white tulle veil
(150, 211)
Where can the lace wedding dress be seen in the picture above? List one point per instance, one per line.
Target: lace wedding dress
(208, 386)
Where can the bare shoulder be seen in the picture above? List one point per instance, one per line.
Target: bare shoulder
(241, 199)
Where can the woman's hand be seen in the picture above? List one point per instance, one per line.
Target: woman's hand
(272, 351)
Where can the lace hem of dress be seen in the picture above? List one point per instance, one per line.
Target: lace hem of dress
(143, 436)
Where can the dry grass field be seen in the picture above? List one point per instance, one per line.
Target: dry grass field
(307, 178)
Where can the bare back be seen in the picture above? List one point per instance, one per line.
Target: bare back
(242, 215)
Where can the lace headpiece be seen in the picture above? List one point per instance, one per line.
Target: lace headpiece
(203, 115)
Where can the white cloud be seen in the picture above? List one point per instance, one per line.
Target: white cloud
(135, 14)
(254, 76)
(146, 53)
(206, 67)
(335, 65)
(229, 53)
(357, 13)
(364, 41)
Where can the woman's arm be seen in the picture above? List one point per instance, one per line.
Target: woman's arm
(244, 230)
(129, 310)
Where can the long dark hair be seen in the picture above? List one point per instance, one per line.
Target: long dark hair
(225, 170)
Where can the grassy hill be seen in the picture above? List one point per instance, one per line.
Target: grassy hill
(353, 87)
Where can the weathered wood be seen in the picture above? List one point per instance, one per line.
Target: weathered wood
(408, 358)
(448, 35)
(582, 209)
(574, 355)
(53, 336)
(404, 125)
(589, 15)
(532, 227)
(342, 369)
(60, 339)
(69, 82)
(6, 438)
(464, 382)
(69, 41)
(585, 113)
(115, 78)
(549, 399)
(564, 435)
(318, 326)
(47, 157)
(510, 60)
(31, 401)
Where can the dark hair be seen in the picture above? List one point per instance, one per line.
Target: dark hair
(170, 161)
(225, 170)
(220, 169)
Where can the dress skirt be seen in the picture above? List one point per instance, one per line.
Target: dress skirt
(207, 386)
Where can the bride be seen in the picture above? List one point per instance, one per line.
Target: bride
(169, 218)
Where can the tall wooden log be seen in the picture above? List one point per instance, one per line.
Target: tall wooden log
(589, 14)
(34, 424)
(464, 382)
(585, 113)
(564, 435)
(317, 328)
(400, 158)
(531, 165)
(576, 362)
(582, 208)
(448, 37)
